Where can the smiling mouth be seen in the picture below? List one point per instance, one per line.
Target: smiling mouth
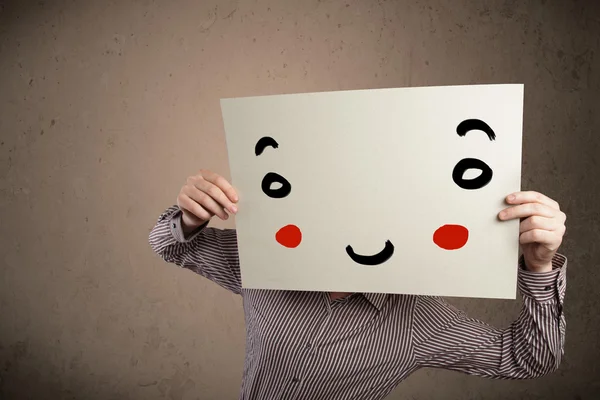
(374, 259)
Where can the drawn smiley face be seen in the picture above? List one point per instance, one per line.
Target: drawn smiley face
(387, 190)
(448, 237)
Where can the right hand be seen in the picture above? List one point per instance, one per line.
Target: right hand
(205, 195)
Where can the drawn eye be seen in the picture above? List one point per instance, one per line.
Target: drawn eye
(466, 164)
(471, 184)
(275, 186)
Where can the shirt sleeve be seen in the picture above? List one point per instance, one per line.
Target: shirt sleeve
(532, 346)
(210, 252)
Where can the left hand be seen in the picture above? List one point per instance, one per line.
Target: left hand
(541, 230)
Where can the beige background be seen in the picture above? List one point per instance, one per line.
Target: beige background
(106, 107)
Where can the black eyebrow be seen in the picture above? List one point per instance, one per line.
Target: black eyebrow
(263, 143)
(475, 125)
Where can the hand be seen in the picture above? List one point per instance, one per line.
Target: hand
(541, 230)
(204, 196)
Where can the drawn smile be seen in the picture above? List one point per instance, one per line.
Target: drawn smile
(374, 259)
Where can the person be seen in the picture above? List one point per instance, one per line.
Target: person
(315, 345)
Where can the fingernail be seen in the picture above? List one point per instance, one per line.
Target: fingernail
(511, 197)
(234, 209)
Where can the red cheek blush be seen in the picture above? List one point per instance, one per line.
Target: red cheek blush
(451, 237)
(289, 236)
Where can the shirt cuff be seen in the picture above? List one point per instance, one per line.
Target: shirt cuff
(175, 224)
(544, 287)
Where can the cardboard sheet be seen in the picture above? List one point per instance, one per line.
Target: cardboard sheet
(385, 190)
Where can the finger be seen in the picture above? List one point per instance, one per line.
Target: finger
(527, 210)
(215, 193)
(191, 206)
(222, 184)
(537, 222)
(531, 197)
(549, 239)
(206, 201)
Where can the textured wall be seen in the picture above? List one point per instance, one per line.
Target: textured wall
(106, 107)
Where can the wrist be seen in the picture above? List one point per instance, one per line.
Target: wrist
(189, 226)
(533, 267)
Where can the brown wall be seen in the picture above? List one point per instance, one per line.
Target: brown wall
(106, 107)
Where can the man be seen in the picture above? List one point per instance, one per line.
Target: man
(313, 345)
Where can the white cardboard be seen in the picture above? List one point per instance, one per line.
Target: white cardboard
(367, 166)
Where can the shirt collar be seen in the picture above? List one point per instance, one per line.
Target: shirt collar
(376, 299)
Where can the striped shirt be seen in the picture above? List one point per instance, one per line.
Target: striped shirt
(302, 345)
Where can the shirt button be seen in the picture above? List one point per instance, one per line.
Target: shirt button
(308, 346)
(548, 288)
(560, 282)
(295, 379)
(174, 225)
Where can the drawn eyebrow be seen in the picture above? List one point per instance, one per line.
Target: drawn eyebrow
(475, 125)
(263, 143)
